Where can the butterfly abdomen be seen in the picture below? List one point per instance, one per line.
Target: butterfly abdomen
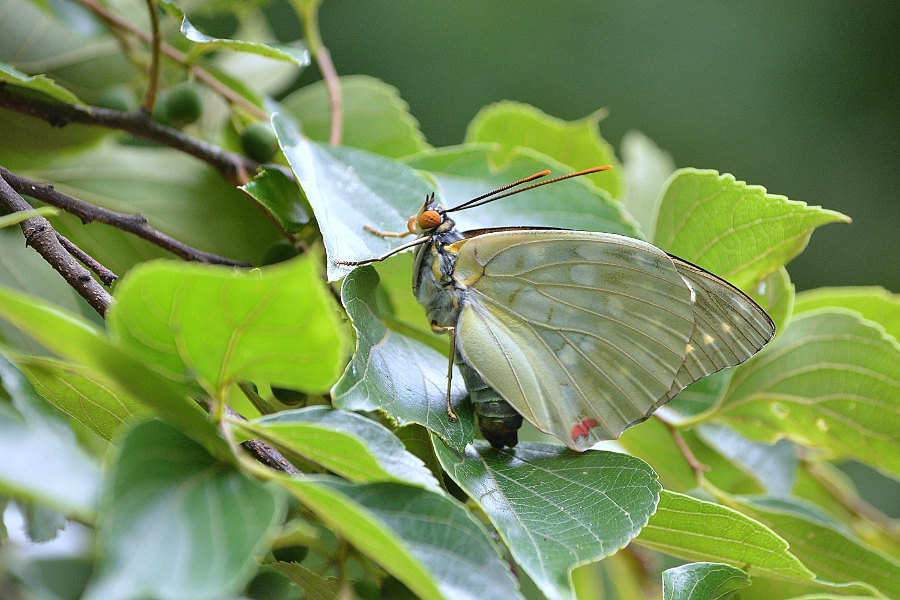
(497, 419)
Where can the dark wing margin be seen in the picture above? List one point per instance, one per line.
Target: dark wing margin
(729, 326)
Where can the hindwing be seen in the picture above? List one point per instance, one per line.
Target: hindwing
(587, 333)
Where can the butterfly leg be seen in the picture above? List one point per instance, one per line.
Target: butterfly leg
(379, 233)
(452, 332)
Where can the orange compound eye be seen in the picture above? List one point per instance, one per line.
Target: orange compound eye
(411, 224)
(429, 219)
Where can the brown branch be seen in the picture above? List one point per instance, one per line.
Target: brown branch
(263, 452)
(233, 167)
(41, 236)
(105, 275)
(135, 224)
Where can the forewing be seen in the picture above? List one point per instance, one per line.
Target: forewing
(729, 327)
(583, 333)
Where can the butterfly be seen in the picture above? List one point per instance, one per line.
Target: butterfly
(582, 333)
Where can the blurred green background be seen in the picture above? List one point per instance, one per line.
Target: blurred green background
(801, 98)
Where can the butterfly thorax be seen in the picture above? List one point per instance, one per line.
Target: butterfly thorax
(433, 282)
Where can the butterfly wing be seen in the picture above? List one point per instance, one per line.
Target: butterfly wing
(583, 333)
(729, 327)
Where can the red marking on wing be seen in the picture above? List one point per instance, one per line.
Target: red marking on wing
(582, 429)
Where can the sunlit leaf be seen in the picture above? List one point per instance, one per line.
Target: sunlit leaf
(873, 303)
(829, 380)
(829, 552)
(345, 443)
(755, 232)
(574, 143)
(704, 531)
(647, 168)
(375, 117)
(80, 393)
(218, 326)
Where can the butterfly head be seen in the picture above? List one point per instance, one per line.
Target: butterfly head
(429, 219)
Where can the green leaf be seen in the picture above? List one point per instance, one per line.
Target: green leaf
(33, 408)
(873, 303)
(576, 144)
(393, 373)
(647, 168)
(464, 172)
(829, 381)
(442, 535)
(735, 230)
(179, 196)
(345, 443)
(74, 49)
(23, 215)
(554, 508)
(278, 195)
(168, 508)
(654, 443)
(374, 116)
(703, 581)
(772, 465)
(43, 467)
(72, 337)
(37, 83)
(203, 43)
(425, 540)
(80, 393)
(23, 269)
(314, 585)
(775, 294)
(830, 553)
(348, 189)
(698, 530)
(218, 326)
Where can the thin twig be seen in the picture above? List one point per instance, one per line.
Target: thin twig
(698, 467)
(153, 72)
(105, 274)
(116, 23)
(310, 20)
(135, 224)
(235, 168)
(41, 236)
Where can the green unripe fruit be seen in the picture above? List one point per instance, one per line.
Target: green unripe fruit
(182, 105)
(279, 251)
(288, 396)
(366, 590)
(269, 585)
(258, 141)
(393, 589)
(117, 97)
(295, 554)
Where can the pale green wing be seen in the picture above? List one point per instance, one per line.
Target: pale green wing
(583, 333)
(729, 327)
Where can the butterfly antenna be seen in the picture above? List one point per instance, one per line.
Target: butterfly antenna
(496, 194)
(498, 190)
